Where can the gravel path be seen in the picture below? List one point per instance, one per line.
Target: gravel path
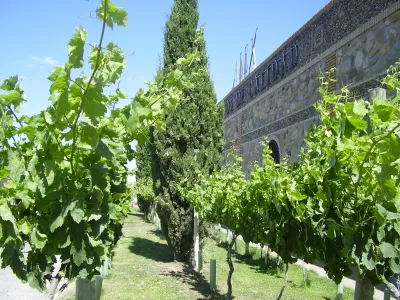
(11, 288)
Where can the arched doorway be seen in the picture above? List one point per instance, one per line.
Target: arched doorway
(273, 146)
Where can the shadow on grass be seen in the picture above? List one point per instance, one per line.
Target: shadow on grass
(140, 215)
(197, 281)
(158, 233)
(150, 249)
(272, 268)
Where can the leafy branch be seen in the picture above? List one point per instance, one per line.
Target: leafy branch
(74, 125)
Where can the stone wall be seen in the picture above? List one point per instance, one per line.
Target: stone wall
(282, 109)
(370, 54)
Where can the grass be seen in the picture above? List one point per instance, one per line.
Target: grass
(144, 269)
(252, 279)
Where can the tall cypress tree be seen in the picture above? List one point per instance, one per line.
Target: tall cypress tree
(192, 142)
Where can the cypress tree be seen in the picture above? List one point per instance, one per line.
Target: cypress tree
(192, 142)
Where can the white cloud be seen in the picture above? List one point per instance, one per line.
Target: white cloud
(46, 60)
(28, 66)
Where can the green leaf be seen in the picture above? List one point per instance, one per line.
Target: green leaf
(359, 108)
(94, 242)
(115, 14)
(13, 97)
(368, 261)
(50, 167)
(65, 241)
(5, 213)
(49, 117)
(94, 110)
(394, 266)
(132, 124)
(78, 255)
(35, 281)
(25, 198)
(92, 215)
(24, 226)
(16, 166)
(60, 79)
(9, 84)
(29, 130)
(358, 123)
(77, 214)
(58, 222)
(388, 250)
(89, 135)
(3, 174)
(384, 112)
(38, 240)
(76, 48)
(103, 150)
(381, 233)
(56, 73)
(296, 195)
(140, 110)
(62, 104)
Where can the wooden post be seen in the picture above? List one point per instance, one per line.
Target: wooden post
(200, 261)
(158, 222)
(305, 275)
(85, 289)
(377, 93)
(196, 241)
(98, 286)
(386, 295)
(266, 255)
(364, 289)
(339, 292)
(213, 274)
(227, 234)
(155, 213)
(104, 270)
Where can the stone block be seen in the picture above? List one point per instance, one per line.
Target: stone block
(345, 66)
(359, 59)
(295, 134)
(352, 73)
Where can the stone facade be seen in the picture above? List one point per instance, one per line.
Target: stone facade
(360, 38)
(370, 54)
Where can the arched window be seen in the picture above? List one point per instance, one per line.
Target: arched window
(273, 145)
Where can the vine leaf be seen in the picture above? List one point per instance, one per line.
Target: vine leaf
(388, 250)
(76, 48)
(9, 84)
(115, 14)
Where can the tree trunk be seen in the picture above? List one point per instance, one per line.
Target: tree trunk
(53, 286)
(286, 280)
(364, 288)
(231, 268)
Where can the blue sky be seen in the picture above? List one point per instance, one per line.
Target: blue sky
(36, 33)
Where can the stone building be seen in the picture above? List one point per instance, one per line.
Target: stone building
(361, 38)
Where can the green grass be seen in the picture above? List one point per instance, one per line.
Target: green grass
(252, 279)
(143, 269)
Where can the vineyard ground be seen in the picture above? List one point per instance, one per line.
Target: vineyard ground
(143, 269)
(349, 283)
